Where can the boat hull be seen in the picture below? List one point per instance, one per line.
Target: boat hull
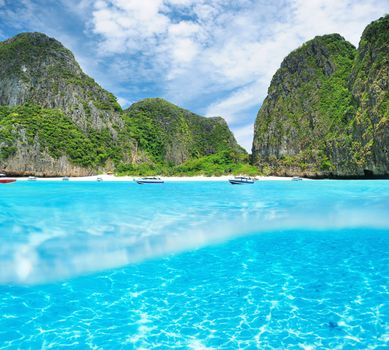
(140, 182)
(238, 182)
(6, 181)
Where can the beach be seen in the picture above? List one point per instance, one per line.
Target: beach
(114, 178)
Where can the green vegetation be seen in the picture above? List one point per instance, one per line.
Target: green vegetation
(223, 163)
(51, 131)
(63, 112)
(50, 76)
(308, 124)
(370, 86)
(172, 135)
(179, 142)
(18, 51)
(327, 112)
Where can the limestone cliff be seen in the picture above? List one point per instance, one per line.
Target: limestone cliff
(55, 120)
(45, 93)
(370, 89)
(39, 70)
(326, 109)
(174, 135)
(45, 142)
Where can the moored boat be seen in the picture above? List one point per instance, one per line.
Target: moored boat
(149, 180)
(32, 178)
(296, 178)
(6, 181)
(241, 180)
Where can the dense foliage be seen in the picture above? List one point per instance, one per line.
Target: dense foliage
(47, 74)
(222, 163)
(51, 131)
(307, 108)
(326, 113)
(179, 142)
(370, 87)
(173, 135)
(60, 111)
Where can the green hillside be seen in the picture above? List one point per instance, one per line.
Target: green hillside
(55, 120)
(326, 109)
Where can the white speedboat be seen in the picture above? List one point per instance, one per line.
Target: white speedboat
(296, 178)
(65, 178)
(149, 180)
(99, 179)
(32, 178)
(241, 180)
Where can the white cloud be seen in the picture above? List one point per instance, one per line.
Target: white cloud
(182, 2)
(124, 102)
(244, 136)
(232, 107)
(128, 25)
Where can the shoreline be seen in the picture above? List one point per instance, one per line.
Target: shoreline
(197, 178)
(113, 178)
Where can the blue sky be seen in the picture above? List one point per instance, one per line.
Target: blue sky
(214, 57)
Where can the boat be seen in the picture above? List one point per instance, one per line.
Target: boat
(296, 178)
(32, 178)
(241, 180)
(149, 180)
(2, 175)
(99, 179)
(7, 181)
(65, 178)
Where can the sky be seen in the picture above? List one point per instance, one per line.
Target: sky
(213, 57)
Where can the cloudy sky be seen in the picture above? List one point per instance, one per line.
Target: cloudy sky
(214, 57)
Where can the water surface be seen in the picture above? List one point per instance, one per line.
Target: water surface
(195, 265)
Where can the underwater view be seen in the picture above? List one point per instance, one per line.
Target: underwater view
(194, 265)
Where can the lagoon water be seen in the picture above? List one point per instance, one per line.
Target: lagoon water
(198, 265)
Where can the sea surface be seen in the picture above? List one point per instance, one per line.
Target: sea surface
(196, 265)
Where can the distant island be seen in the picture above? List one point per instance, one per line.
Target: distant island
(326, 115)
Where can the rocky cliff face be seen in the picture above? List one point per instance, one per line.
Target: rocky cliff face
(174, 135)
(55, 120)
(43, 85)
(369, 84)
(40, 70)
(35, 140)
(307, 108)
(33, 160)
(315, 120)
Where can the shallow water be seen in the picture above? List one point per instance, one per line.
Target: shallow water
(195, 265)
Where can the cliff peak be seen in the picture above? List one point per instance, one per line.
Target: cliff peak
(38, 69)
(35, 37)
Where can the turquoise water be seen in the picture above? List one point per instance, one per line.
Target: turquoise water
(300, 265)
